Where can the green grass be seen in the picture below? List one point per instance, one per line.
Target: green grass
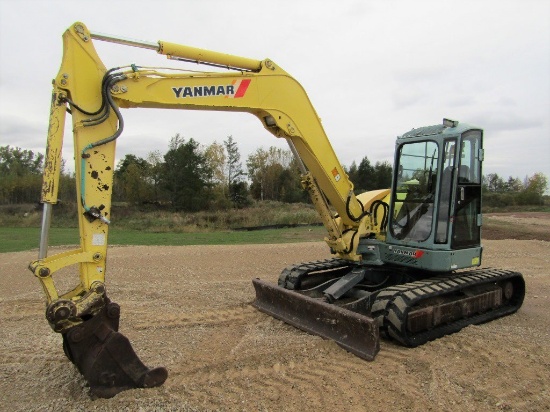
(15, 239)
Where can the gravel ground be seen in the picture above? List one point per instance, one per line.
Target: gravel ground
(188, 308)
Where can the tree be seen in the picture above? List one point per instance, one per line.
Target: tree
(274, 175)
(156, 166)
(500, 193)
(129, 160)
(187, 175)
(494, 183)
(257, 164)
(18, 162)
(234, 173)
(383, 175)
(21, 172)
(272, 182)
(352, 174)
(366, 179)
(513, 185)
(290, 183)
(215, 157)
(533, 194)
(67, 184)
(133, 180)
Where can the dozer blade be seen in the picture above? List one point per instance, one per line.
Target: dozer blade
(105, 357)
(354, 332)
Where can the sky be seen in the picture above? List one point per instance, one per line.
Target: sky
(372, 69)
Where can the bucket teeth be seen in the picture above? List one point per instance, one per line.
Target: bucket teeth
(105, 357)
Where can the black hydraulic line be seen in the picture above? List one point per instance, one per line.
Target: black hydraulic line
(105, 112)
(118, 115)
(81, 110)
(352, 240)
(375, 205)
(92, 210)
(102, 107)
(386, 217)
(374, 209)
(348, 212)
(105, 93)
(106, 85)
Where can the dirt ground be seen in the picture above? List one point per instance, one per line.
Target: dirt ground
(188, 308)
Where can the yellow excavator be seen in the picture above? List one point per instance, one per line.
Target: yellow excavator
(403, 259)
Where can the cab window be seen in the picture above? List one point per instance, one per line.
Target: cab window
(414, 192)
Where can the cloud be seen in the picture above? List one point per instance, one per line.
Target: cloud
(406, 98)
(506, 120)
(373, 70)
(25, 133)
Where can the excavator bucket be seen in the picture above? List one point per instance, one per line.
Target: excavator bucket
(105, 357)
(354, 332)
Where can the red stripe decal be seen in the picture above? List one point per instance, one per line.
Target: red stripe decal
(242, 88)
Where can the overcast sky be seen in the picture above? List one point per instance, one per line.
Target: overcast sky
(372, 69)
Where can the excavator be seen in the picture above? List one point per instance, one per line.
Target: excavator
(405, 261)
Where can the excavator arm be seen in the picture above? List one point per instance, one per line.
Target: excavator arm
(93, 95)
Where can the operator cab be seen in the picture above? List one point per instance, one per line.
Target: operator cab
(435, 207)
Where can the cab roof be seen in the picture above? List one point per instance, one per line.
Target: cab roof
(448, 127)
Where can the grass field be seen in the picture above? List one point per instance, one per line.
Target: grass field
(14, 239)
(19, 226)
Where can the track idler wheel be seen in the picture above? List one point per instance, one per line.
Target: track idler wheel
(106, 358)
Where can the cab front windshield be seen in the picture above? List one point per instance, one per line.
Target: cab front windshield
(414, 191)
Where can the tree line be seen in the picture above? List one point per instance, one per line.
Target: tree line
(498, 192)
(193, 177)
(20, 175)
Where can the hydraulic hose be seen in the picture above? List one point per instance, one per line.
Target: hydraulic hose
(107, 84)
(374, 209)
(350, 248)
(348, 212)
(103, 100)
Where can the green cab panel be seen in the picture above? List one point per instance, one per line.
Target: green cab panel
(431, 260)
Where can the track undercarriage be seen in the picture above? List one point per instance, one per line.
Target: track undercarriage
(351, 304)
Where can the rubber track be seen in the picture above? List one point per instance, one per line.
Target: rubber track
(292, 276)
(379, 309)
(394, 303)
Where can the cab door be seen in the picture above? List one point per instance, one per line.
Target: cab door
(467, 208)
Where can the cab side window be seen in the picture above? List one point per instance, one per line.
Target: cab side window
(467, 230)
